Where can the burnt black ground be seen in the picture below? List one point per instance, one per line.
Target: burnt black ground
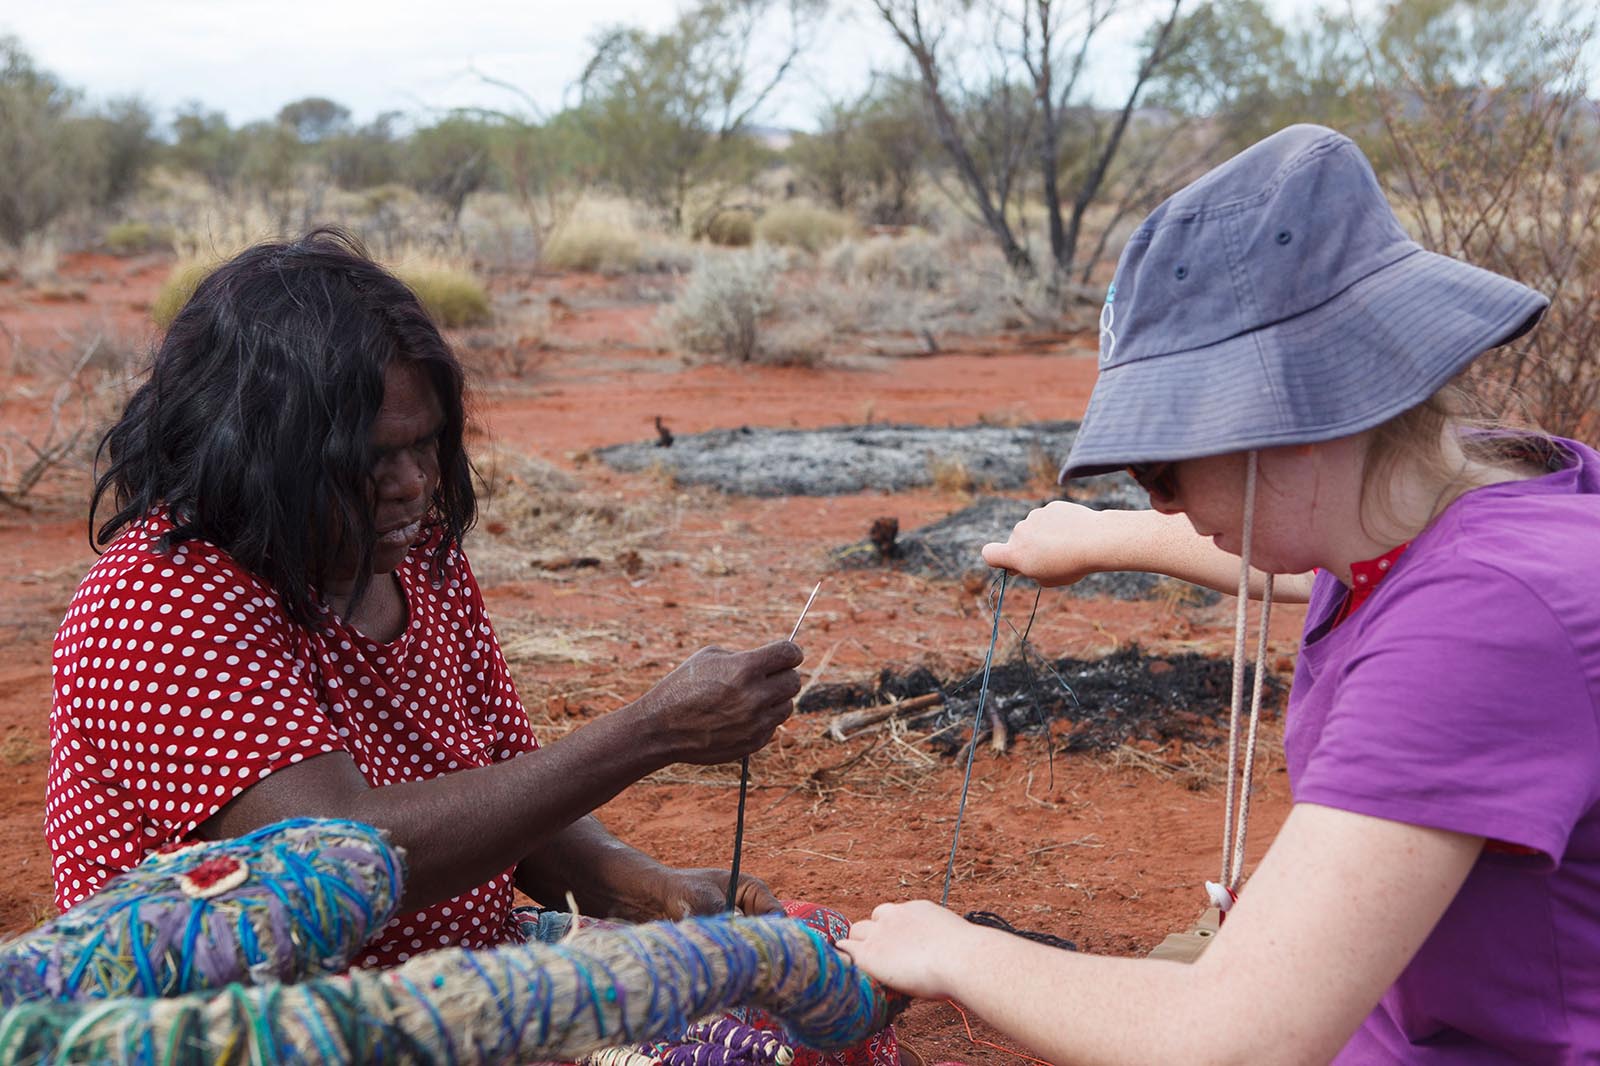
(754, 461)
(950, 547)
(1127, 696)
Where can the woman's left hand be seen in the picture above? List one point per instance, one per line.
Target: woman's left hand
(704, 890)
(915, 947)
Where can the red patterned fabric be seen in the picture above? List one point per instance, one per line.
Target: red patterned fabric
(179, 682)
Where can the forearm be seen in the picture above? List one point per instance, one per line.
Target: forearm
(1094, 1009)
(605, 877)
(1167, 544)
(460, 829)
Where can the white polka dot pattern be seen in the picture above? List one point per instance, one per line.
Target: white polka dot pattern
(178, 682)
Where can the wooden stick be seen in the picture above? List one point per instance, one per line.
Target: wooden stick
(843, 726)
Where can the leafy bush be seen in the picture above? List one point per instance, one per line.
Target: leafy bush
(803, 226)
(604, 246)
(452, 294)
(735, 228)
(721, 308)
(136, 238)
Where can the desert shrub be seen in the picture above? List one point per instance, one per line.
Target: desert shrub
(797, 342)
(1508, 181)
(453, 295)
(136, 238)
(735, 228)
(721, 307)
(917, 262)
(592, 243)
(803, 226)
(185, 277)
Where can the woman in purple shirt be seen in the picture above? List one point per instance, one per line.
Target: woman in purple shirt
(1276, 358)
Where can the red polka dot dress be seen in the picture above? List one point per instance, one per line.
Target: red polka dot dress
(179, 682)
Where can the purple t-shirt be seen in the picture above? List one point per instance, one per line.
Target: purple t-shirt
(1465, 695)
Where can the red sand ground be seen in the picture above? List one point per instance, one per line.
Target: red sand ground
(1110, 852)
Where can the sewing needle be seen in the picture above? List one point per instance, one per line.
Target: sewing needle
(744, 776)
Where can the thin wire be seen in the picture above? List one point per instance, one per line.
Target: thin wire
(744, 778)
(990, 1043)
(1024, 648)
(972, 748)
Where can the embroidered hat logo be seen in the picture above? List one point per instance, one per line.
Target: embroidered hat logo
(1108, 319)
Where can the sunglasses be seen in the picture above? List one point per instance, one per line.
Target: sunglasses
(1158, 479)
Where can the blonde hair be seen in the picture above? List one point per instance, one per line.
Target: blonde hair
(1418, 435)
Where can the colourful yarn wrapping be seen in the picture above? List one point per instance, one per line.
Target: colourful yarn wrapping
(533, 1002)
(309, 894)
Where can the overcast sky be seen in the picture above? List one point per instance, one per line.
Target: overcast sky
(249, 57)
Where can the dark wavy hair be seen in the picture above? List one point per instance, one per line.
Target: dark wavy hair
(251, 430)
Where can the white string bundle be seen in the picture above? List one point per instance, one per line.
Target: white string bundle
(1236, 810)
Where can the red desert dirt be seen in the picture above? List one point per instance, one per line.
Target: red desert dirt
(1108, 849)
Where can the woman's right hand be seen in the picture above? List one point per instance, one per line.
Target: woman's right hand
(721, 705)
(1061, 543)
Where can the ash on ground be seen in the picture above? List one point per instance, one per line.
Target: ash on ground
(952, 546)
(844, 459)
(1127, 696)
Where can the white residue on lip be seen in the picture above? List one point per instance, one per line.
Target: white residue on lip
(402, 536)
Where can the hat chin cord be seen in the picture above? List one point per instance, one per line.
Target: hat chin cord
(1236, 811)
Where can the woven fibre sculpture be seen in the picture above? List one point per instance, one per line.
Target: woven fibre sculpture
(288, 901)
(521, 1003)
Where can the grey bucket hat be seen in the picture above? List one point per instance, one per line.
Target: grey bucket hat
(1277, 300)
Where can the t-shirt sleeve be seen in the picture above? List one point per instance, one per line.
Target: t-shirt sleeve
(513, 731)
(188, 684)
(1465, 707)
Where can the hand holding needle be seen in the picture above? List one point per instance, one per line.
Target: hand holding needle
(744, 777)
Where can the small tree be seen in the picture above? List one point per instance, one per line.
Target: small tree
(450, 161)
(123, 130)
(363, 157)
(867, 153)
(670, 111)
(49, 159)
(204, 144)
(314, 118)
(1010, 96)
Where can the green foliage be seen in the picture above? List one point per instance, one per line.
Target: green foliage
(450, 160)
(453, 295)
(136, 238)
(805, 227)
(314, 119)
(269, 152)
(204, 144)
(364, 157)
(671, 111)
(184, 278)
(50, 160)
(731, 227)
(123, 130)
(867, 155)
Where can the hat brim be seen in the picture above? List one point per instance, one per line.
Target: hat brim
(1380, 347)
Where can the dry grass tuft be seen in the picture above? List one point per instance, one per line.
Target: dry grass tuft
(802, 226)
(535, 520)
